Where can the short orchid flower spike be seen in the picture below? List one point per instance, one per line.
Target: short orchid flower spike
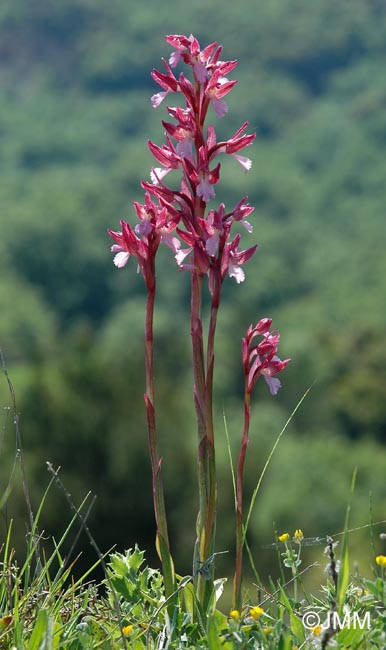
(260, 359)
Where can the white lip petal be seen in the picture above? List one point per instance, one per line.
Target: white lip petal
(248, 227)
(158, 98)
(121, 259)
(181, 254)
(236, 272)
(157, 174)
(246, 163)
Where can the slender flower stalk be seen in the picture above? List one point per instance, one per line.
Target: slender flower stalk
(162, 538)
(154, 220)
(258, 360)
(206, 465)
(199, 402)
(156, 461)
(208, 468)
(239, 500)
(210, 371)
(158, 496)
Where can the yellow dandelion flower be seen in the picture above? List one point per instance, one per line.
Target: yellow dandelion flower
(317, 630)
(127, 629)
(381, 561)
(284, 537)
(298, 535)
(256, 612)
(235, 614)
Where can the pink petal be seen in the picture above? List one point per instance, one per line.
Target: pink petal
(171, 241)
(201, 72)
(184, 149)
(273, 383)
(220, 107)
(262, 327)
(174, 58)
(187, 267)
(212, 245)
(205, 190)
(158, 98)
(143, 228)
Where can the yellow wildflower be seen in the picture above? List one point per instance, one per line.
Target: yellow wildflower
(284, 537)
(235, 614)
(127, 629)
(298, 535)
(256, 612)
(381, 561)
(317, 630)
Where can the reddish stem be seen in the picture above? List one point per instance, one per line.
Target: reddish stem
(156, 461)
(239, 500)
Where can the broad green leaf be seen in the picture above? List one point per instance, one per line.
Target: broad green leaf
(188, 597)
(297, 627)
(215, 624)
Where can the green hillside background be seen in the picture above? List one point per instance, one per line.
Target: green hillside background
(75, 116)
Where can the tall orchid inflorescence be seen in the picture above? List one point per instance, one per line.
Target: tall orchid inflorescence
(204, 244)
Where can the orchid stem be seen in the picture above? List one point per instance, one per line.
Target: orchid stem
(206, 453)
(163, 546)
(239, 500)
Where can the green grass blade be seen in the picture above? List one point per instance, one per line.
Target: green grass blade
(343, 576)
(230, 458)
(37, 640)
(167, 569)
(257, 488)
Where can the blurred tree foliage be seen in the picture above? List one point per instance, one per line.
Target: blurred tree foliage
(74, 119)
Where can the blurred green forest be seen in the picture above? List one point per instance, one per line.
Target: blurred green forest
(75, 115)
